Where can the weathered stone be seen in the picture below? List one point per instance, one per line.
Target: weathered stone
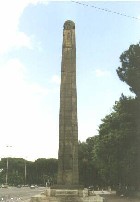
(66, 195)
(67, 198)
(68, 126)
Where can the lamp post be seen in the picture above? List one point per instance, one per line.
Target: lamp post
(25, 173)
(25, 170)
(7, 166)
(6, 179)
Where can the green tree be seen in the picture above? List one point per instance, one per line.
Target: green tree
(88, 174)
(15, 171)
(129, 71)
(38, 172)
(115, 152)
(46, 170)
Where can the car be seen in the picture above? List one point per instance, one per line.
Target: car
(32, 187)
(91, 188)
(19, 186)
(4, 186)
(36, 186)
(26, 185)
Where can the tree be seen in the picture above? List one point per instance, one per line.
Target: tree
(88, 174)
(46, 170)
(116, 152)
(38, 172)
(129, 71)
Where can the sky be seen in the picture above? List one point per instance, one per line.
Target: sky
(30, 69)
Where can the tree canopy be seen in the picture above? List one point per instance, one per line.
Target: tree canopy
(129, 71)
(38, 172)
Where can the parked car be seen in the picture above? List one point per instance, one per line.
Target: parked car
(26, 185)
(19, 186)
(4, 186)
(91, 188)
(32, 187)
(36, 186)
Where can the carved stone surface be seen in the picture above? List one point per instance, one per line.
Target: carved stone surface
(68, 127)
(69, 25)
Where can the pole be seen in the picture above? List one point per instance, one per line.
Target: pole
(25, 173)
(6, 180)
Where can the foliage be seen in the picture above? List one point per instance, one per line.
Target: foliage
(116, 150)
(46, 170)
(110, 159)
(88, 173)
(38, 172)
(129, 71)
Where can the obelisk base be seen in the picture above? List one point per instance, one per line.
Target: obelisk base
(65, 195)
(68, 187)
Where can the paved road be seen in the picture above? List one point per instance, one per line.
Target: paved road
(13, 194)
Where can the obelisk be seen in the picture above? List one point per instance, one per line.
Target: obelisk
(68, 127)
(67, 188)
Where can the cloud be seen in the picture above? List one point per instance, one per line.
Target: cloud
(38, 89)
(55, 79)
(25, 117)
(10, 12)
(10, 35)
(138, 17)
(26, 120)
(102, 73)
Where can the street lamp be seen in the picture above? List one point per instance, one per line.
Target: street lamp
(25, 170)
(6, 179)
(7, 165)
(25, 173)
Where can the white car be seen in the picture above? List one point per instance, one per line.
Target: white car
(32, 187)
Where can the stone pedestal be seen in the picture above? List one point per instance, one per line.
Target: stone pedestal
(65, 195)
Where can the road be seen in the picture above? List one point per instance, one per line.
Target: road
(13, 194)
(23, 194)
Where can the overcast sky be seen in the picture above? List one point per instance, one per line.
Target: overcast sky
(30, 65)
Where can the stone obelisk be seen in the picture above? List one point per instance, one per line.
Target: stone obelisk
(67, 188)
(68, 127)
